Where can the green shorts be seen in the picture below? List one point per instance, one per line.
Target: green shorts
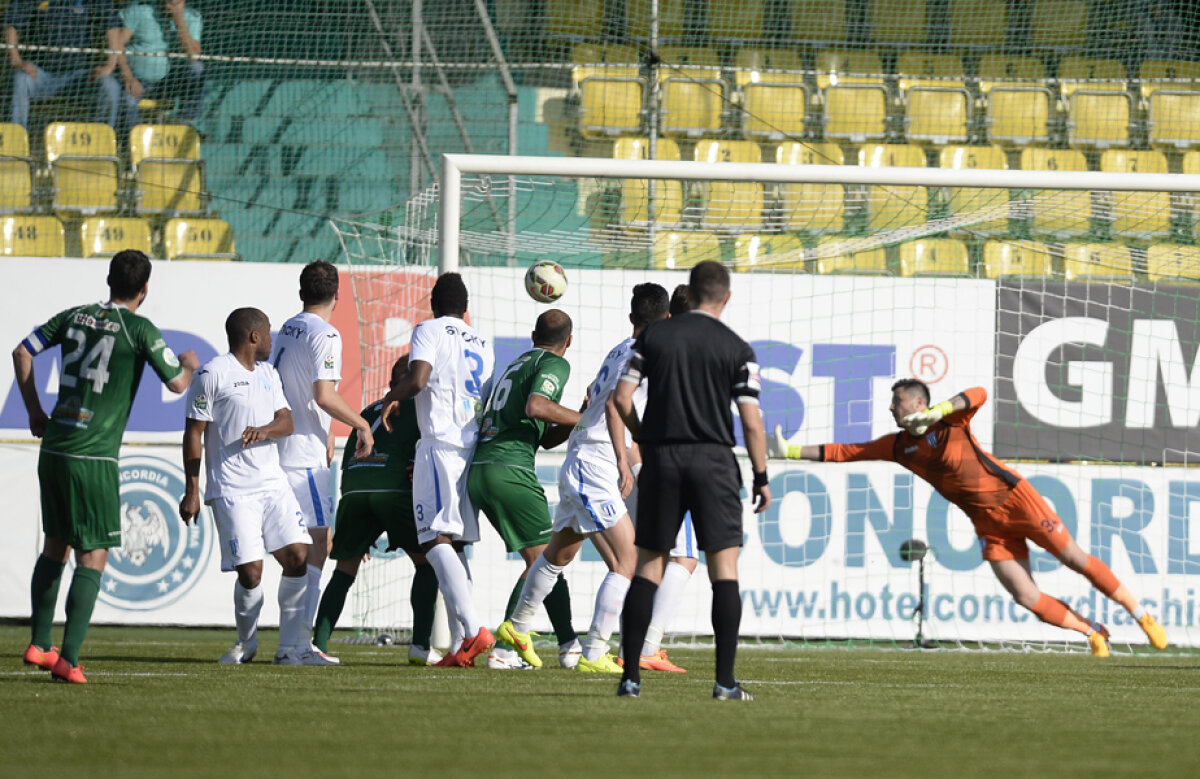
(362, 517)
(81, 501)
(514, 502)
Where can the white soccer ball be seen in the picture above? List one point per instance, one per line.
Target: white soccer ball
(545, 281)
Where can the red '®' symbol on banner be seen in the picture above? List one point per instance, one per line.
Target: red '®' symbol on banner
(929, 364)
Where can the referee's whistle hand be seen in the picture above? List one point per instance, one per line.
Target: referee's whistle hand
(762, 498)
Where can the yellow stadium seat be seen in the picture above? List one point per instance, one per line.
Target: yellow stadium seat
(977, 209)
(928, 69)
(610, 89)
(891, 207)
(731, 203)
(856, 112)
(1093, 75)
(736, 21)
(936, 115)
(1009, 70)
(978, 22)
(198, 239)
(32, 236)
(1019, 116)
(104, 236)
(83, 166)
(679, 250)
(812, 208)
(1097, 261)
(1059, 22)
(774, 111)
(1174, 119)
(844, 255)
(610, 59)
(635, 195)
(1016, 258)
(768, 252)
(1098, 119)
(693, 94)
(574, 18)
(16, 169)
(1135, 214)
(934, 257)
(819, 20)
(1058, 212)
(168, 175)
(1191, 162)
(754, 65)
(1171, 75)
(1171, 262)
(670, 18)
(848, 66)
(892, 23)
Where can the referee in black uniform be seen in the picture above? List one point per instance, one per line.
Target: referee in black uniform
(694, 365)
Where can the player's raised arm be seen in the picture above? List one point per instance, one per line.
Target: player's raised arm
(23, 367)
(190, 364)
(920, 421)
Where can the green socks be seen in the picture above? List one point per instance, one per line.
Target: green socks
(423, 598)
(514, 598)
(558, 606)
(43, 596)
(333, 600)
(81, 599)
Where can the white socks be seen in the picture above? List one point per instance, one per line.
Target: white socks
(247, 604)
(454, 580)
(293, 629)
(666, 603)
(312, 596)
(610, 599)
(540, 579)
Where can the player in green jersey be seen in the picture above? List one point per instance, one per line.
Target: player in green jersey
(105, 347)
(523, 413)
(377, 498)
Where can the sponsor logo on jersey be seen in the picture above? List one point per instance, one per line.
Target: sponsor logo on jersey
(169, 357)
(549, 385)
(160, 559)
(72, 413)
(328, 363)
(200, 403)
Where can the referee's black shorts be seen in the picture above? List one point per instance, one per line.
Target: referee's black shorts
(701, 478)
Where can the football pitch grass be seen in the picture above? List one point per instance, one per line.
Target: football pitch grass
(157, 704)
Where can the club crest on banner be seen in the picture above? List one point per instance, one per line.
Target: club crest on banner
(160, 558)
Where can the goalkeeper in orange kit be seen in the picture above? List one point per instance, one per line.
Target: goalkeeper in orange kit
(936, 444)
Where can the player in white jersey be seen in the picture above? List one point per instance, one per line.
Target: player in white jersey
(450, 374)
(592, 486)
(236, 411)
(308, 356)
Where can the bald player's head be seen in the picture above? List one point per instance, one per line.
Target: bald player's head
(553, 329)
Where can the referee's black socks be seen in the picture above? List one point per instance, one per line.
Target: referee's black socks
(727, 621)
(635, 620)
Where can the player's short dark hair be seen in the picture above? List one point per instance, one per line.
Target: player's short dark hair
(679, 301)
(318, 283)
(913, 385)
(552, 329)
(128, 272)
(708, 282)
(240, 323)
(449, 295)
(649, 304)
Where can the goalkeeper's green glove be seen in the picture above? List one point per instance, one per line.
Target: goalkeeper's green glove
(917, 423)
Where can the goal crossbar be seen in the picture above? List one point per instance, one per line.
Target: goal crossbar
(455, 166)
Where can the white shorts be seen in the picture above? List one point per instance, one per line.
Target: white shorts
(441, 505)
(589, 495)
(250, 526)
(685, 541)
(313, 490)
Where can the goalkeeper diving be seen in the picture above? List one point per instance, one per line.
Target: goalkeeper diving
(936, 443)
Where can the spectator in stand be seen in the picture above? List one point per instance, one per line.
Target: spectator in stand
(161, 27)
(65, 24)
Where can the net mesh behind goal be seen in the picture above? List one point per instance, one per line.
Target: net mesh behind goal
(1074, 309)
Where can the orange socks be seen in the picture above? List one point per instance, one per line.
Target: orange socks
(1054, 612)
(1104, 580)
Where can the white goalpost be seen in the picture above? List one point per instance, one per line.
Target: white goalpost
(1070, 296)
